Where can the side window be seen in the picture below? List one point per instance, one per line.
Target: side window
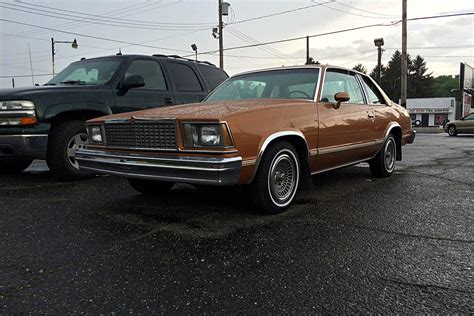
(373, 94)
(469, 117)
(341, 81)
(150, 71)
(184, 78)
(214, 76)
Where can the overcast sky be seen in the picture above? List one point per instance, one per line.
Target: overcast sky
(173, 25)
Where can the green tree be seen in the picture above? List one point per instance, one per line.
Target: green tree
(360, 68)
(419, 80)
(441, 86)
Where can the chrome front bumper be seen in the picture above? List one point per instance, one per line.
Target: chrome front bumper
(184, 169)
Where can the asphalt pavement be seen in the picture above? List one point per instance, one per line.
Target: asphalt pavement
(351, 244)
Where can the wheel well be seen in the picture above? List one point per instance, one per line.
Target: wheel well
(301, 149)
(75, 116)
(397, 133)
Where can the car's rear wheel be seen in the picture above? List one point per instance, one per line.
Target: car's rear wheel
(277, 179)
(383, 164)
(452, 131)
(150, 187)
(14, 166)
(63, 141)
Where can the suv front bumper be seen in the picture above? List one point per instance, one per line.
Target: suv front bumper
(23, 146)
(185, 169)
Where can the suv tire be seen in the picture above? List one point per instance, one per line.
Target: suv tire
(63, 140)
(14, 166)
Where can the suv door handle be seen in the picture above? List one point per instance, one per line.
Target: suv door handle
(168, 100)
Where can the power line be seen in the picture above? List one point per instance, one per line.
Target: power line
(393, 23)
(346, 12)
(279, 13)
(366, 11)
(25, 76)
(69, 17)
(125, 11)
(94, 37)
(117, 18)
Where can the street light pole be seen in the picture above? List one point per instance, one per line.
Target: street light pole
(73, 45)
(379, 43)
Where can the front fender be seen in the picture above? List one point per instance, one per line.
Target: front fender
(54, 110)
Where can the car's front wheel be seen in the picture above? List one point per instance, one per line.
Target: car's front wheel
(452, 131)
(277, 178)
(383, 164)
(14, 166)
(150, 187)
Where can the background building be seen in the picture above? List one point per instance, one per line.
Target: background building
(431, 111)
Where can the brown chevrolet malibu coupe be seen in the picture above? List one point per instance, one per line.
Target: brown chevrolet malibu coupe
(266, 129)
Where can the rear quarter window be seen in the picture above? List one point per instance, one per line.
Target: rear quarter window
(213, 76)
(184, 78)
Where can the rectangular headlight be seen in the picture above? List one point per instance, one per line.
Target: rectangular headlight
(206, 135)
(16, 105)
(95, 134)
(19, 112)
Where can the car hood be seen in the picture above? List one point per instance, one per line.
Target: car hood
(217, 110)
(32, 92)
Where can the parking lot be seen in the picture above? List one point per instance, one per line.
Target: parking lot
(350, 244)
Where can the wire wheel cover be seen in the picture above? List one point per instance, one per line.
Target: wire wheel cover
(390, 154)
(282, 178)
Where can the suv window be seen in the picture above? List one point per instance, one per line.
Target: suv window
(184, 77)
(214, 76)
(373, 94)
(151, 72)
(341, 81)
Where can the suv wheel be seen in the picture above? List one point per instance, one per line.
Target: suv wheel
(62, 143)
(277, 179)
(10, 166)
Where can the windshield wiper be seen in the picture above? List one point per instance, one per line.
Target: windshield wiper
(49, 84)
(73, 82)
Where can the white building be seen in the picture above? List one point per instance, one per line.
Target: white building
(431, 111)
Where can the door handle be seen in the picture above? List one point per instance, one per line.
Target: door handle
(370, 114)
(168, 100)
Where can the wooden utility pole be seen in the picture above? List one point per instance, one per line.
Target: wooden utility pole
(221, 37)
(403, 75)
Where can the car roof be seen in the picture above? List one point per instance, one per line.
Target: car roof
(310, 66)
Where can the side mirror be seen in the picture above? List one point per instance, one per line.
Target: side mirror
(134, 81)
(341, 97)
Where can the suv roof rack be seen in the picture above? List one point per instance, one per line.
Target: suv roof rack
(184, 58)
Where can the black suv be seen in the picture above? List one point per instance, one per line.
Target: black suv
(47, 122)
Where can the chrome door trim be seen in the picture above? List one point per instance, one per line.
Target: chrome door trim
(339, 148)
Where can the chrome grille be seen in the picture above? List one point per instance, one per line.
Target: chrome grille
(142, 134)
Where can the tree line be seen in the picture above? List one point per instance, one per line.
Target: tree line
(421, 83)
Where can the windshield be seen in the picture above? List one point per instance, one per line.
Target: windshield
(273, 84)
(90, 72)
